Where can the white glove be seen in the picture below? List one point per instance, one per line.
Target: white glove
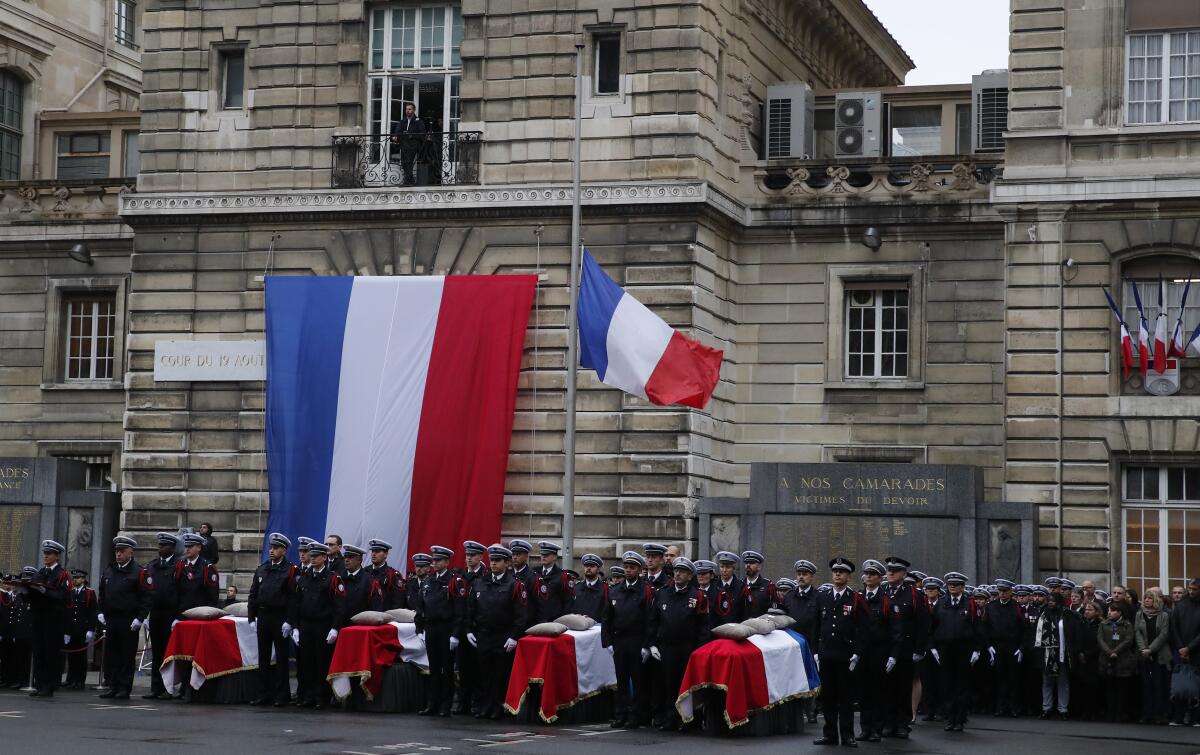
(422, 636)
(331, 637)
(471, 639)
(936, 657)
(1017, 655)
(817, 661)
(173, 623)
(454, 643)
(645, 655)
(100, 618)
(296, 637)
(89, 636)
(66, 639)
(853, 661)
(510, 645)
(891, 664)
(974, 657)
(655, 654)
(287, 630)
(992, 655)
(253, 625)
(918, 657)
(135, 625)
(609, 649)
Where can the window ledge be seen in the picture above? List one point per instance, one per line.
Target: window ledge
(85, 385)
(875, 385)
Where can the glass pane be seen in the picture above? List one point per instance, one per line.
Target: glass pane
(1150, 566)
(1175, 483)
(901, 365)
(1133, 483)
(1150, 484)
(1134, 556)
(1133, 526)
(235, 79)
(133, 154)
(608, 64)
(1150, 526)
(1174, 526)
(433, 37)
(378, 29)
(1191, 490)
(456, 36)
(1175, 561)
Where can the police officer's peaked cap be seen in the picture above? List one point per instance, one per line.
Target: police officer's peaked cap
(993, 590)
(496, 552)
(591, 559)
(422, 559)
(352, 550)
(28, 572)
(752, 557)
(704, 566)
(895, 563)
(192, 538)
(616, 571)
(280, 539)
(683, 563)
(981, 590)
(1021, 590)
(871, 566)
(440, 551)
(841, 564)
(1004, 584)
(785, 584)
(920, 576)
(827, 587)
(1053, 582)
(725, 557)
(656, 548)
(379, 545)
(1064, 582)
(473, 547)
(79, 573)
(547, 547)
(633, 557)
(934, 582)
(303, 542)
(520, 546)
(955, 578)
(1041, 590)
(124, 541)
(167, 538)
(805, 565)
(52, 546)
(316, 547)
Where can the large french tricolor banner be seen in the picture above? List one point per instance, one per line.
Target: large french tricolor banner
(633, 349)
(390, 405)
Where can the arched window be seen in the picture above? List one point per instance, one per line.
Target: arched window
(11, 98)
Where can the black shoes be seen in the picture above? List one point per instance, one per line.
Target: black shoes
(825, 741)
(428, 710)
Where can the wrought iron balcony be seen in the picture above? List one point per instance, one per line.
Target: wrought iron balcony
(432, 159)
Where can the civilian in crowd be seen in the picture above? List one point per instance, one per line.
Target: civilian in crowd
(1120, 596)
(1056, 641)
(1177, 594)
(1185, 643)
(1089, 592)
(1118, 663)
(1086, 702)
(1151, 631)
(210, 550)
(1077, 600)
(231, 596)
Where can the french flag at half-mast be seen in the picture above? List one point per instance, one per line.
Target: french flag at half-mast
(633, 349)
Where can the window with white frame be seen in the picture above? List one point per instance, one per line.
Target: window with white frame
(124, 22)
(89, 338)
(12, 96)
(1163, 77)
(232, 69)
(1161, 513)
(1174, 272)
(877, 330)
(415, 58)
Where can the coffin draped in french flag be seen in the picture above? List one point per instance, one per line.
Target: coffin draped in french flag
(390, 405)
(363, 652)
(215, 649)
(755, 674)
(633, 349)
(570, 668)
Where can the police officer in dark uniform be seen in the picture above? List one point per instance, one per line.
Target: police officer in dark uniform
(733, 600)
(125, 599)
(879, 649)
(470, 684)
(80, 629)
(520, 563)
(270, 599)
(839, 615)
(161, 577)
(391, 582)
(1030, 671)
(362, 590)
(801, 605)
(657, 575)
(955, 636)
(18, 656)
(762, 591)
(440, 616)
(910, 614)
(199, 583)
(678, 625)
(495, 620)
(616, 574)
(50, 598)
(591, 592)
(422, 562)
(1002, 626)
(625, 633)
(706, 583)
(553, 588)
(316, 613)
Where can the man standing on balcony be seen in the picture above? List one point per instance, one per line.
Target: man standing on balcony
(407, 133)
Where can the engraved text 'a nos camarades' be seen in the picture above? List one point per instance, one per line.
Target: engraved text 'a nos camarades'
(851, 491)
(13, 478)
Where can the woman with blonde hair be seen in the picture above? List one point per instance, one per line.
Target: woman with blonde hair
(1154, 657)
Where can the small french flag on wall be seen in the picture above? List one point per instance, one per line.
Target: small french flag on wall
(633, 349)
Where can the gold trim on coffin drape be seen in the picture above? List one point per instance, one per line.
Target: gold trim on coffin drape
(531, 681)
(725, 712)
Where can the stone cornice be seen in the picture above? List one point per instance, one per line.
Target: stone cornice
(1058, 191)
(144, 206)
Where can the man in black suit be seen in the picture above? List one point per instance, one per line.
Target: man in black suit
(407, 134)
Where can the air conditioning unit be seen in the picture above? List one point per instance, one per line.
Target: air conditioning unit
(789, 122)
(989, 111)
(858, 124)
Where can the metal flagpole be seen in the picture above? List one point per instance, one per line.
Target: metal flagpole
(568, 512)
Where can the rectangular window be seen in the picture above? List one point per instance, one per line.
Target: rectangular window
(89, 338)
(1163, 77)
(877, 331)
(82, 156)
(916, 130)
(433, 37)
(1148, 289)
(133, 154)
(608, 63)
(11, 112)
(124, 22)
(962, 129)
(233, 79)
(1161, 525)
